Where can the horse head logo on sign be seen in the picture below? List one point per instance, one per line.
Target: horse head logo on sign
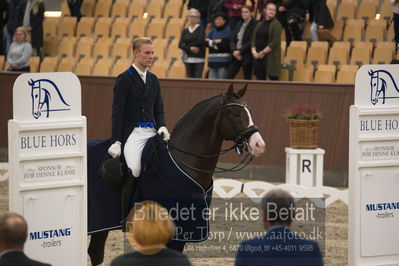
(43, 92)
(382, 86)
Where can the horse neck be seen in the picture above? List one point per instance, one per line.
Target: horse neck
(386, 78)
(197, 133)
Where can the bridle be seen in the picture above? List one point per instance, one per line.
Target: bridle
(241, 141)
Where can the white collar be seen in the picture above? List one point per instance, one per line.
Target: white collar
(191, 30)
(144, 73)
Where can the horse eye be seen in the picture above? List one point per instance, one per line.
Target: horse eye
(36, 96)
(237, 114)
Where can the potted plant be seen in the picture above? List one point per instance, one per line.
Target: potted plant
(304, 123)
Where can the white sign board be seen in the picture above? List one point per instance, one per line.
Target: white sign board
(304, 167)
(48, 166)
(374, 167)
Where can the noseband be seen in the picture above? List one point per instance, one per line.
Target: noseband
(241, 139)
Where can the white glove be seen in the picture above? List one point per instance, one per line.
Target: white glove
(164, 130)
(115, 149)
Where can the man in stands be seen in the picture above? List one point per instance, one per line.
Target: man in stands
(279, 246)
(13, 234)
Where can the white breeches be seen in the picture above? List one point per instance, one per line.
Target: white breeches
(134, 148)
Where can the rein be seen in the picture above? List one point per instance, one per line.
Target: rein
(220, 170)
(202, 156)
(240, 143)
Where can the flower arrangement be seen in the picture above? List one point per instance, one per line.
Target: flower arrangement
(302, 112)
(304, 123)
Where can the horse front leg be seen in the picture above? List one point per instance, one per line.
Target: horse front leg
(97, 247)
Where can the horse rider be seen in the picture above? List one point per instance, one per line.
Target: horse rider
(137, 110)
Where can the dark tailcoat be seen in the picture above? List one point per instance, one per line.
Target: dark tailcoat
(20, 259)
(135, 102)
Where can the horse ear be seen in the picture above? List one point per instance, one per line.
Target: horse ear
(230, 90)
(241, 92)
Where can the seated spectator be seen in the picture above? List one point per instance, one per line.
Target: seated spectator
(320, 17)
(19, 52)
(296, 12)
(13, 234)
(276, 204)
(241, 45)
(218, 42)
(234, 10)
(192, 44)
(266, 45)
(149, 228)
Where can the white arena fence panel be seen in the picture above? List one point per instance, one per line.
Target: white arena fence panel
(228, 188)
(3, 172)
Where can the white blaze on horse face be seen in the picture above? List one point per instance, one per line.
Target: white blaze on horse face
(256, 142)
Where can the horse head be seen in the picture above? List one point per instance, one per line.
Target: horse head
(236, 123)
(377, 86)
(36, 98)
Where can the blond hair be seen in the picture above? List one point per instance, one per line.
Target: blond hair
(149, 224)
(137, 43)
(23, 29)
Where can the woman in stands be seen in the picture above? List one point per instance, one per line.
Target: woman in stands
(241, 45)
(218, 42)
(19, 52)
(192, 44)
(266, 45)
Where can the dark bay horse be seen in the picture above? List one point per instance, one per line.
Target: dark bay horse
(196, 144)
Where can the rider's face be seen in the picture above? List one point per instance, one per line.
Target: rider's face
(144, 56)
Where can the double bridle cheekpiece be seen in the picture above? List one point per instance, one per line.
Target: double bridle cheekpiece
(241, 142)
(241, 139)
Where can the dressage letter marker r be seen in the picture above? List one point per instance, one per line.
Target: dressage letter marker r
(305, 164)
